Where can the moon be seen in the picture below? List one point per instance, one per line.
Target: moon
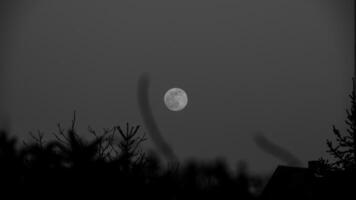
(176, 99)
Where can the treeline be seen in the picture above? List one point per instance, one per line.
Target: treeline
(113, 163)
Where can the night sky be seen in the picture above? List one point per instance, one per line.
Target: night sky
(281, 68)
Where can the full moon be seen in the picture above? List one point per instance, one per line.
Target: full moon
(176, 99)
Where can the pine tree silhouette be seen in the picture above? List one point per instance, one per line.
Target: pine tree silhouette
(131, 153)
(345, 149)
(111, 163)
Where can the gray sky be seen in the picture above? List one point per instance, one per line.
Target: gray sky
(280, 67)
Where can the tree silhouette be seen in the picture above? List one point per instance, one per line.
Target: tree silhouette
(11, 164)
(131, 153)
(345, 150)
(113, 162)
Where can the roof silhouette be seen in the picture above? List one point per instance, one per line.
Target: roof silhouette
(289, 183)
(305, 183)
